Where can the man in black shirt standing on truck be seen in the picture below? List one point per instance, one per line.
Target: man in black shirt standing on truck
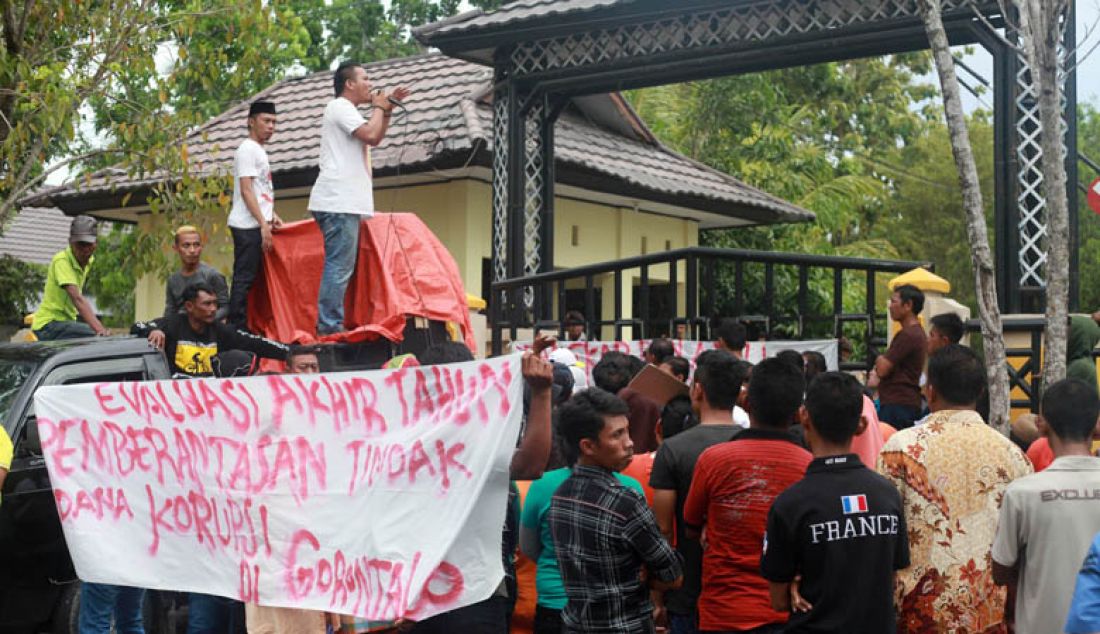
(191, 338)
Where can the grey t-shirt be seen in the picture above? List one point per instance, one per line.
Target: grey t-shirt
(673, 467)
(173, 291)
(1052, 516)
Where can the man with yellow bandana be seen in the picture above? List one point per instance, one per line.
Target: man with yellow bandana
(191, 339)
(63, 299)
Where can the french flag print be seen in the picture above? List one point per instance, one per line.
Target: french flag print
(854, 503)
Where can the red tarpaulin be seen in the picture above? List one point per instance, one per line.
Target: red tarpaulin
(402, 270)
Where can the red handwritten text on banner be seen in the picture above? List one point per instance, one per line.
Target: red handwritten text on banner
(379, 494)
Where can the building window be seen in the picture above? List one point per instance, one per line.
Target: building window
(576, 238)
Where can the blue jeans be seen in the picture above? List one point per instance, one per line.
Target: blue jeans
(341, 233)
(64, 330)
(100, 601)
(207, 614)
(682, 623)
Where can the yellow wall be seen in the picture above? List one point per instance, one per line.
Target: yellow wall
(459, 212)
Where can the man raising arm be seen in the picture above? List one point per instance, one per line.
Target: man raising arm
(342, 193)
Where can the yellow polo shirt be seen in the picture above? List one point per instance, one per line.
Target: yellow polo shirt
(6, 451)
(56, 304)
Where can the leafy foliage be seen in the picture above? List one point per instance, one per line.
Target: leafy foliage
(816, 136)
(1088, 138)
(806, 135)
(927, 221)
(111, 280)
(20, 284)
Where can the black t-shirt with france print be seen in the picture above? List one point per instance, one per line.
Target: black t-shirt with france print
(842, 528)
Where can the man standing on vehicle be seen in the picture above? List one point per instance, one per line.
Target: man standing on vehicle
(63, 299)
(252, 217)
(342, 194)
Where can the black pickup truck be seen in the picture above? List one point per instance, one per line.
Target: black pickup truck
(39, 590)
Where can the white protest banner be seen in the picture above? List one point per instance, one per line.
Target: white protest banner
(757, 351)
(380, 494)
(590, 352)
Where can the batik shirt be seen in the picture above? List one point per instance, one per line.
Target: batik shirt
(952, 473)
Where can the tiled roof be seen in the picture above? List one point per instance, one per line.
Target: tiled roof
(448, 116)
(35, 235)
(511, 14)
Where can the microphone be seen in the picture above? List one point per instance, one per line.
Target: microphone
(396, 103)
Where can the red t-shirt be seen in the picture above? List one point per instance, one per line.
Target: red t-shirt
(734, 485)
(1040, 454)
(639, 468)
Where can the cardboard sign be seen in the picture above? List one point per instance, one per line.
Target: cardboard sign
(379, 494)
(657, 385)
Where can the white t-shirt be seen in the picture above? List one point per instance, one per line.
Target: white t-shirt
(740, 417)
(1053, 516)
(344, 184)
(250, 160)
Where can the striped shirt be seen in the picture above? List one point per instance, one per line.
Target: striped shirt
(604, 534)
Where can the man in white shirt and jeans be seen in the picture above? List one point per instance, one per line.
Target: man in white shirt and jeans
(252, 217)
(342, 194)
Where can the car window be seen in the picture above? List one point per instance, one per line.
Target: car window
(97, 371)
(12, 376)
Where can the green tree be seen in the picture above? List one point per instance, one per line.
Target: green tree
(20, 284)
(814, 135)
(807, 134)
(1088, 222)
(364, 30)
(926, 219)
(111, 280)
(147, 70)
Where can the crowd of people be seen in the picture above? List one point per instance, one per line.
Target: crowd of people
(776, 497)
(816, 516)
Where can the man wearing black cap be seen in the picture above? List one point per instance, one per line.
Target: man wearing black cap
(63, 299)
(252, 218)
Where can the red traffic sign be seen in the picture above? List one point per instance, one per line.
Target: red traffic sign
(1094, 195)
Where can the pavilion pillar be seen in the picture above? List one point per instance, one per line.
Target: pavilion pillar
(1021, 204)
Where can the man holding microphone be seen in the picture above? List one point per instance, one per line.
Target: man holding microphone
(343, 192)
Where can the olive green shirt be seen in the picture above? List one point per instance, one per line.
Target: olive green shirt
(56, 304)
(1082, 337)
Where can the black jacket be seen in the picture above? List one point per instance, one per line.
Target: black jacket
(190, 351)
